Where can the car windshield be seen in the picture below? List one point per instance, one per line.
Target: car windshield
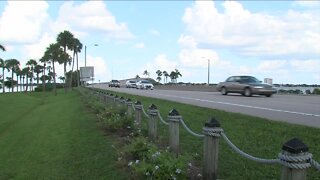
(114, 81)
(145, 82)
(132, 81)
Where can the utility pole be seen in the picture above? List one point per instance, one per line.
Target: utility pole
(208, 71)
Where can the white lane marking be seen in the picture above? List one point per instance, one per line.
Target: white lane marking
(239, 105)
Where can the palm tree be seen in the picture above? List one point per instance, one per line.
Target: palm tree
(146, 73)
(3, 66)
(26, 73)
(76, 47)
(159, 73)
(38, 69)
(61, 78)
(19, 75)
(166, 75)
(12, 65)
(2, 48)
(55, 54)
(65, 39)
(31, 63)
(174, 75)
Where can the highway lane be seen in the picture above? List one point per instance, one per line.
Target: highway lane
(303, 110)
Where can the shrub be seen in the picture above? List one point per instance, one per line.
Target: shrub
(114, 118)
(316, 91)
(148, 162)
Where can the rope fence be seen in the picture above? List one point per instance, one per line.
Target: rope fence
(289, 157)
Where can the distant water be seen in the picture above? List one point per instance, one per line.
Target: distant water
(303, 89)
(20, 89)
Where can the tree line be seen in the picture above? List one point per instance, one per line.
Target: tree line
(45, 68)
(174, 75)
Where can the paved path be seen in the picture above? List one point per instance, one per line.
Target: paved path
(303, 110)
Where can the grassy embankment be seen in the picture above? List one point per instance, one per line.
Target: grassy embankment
(256, 136)
(52, 138)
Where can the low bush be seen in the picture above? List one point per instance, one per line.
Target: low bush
(316, 91)
(147, 161)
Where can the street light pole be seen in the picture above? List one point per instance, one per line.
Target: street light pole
(208, 72)
(85, 56)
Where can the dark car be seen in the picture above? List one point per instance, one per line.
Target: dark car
(245, 85)
(114, 83)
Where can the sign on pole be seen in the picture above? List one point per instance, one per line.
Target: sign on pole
(87, 73)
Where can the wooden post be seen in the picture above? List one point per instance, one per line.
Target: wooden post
(152, 124)
(129, 106)
(138, 107)
(122, 101)
(211, 130)
(294, 153)
(116, 99)
(174, 120)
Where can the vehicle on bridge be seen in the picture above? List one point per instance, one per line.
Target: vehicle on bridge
(245, 85)
(144, 84)
(131, 84)
(114, 83)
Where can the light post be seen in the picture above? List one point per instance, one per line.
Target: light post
(208, 71)
(85, 54)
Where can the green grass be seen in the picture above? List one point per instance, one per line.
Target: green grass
(52, 138)
(256, 136)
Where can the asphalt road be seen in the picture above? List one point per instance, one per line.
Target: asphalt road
(303, 110)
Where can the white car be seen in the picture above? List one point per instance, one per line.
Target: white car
(131, 84)
(144, 84)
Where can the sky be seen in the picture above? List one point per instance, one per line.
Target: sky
(265, 39)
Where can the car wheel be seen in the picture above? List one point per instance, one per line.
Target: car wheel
(268, 95)
(224, 91)
(247, 92)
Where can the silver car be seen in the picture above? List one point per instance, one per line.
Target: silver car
(245, 85)
(144, 84)
(131, 84)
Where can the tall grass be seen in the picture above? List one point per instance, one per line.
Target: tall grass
(52, 137)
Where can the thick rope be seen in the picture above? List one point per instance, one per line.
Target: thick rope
(248, 156)
(315, 164)
(144, 112)
(295, 162)
(189, 130)
(134, 109)
(161, 119)
(214, 132)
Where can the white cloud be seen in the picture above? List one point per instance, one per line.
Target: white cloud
(272, 65)
(253, 33)
(306, 65)
(154, 32)
(187, 42)
(22, 22)
(162, 63)
(139, 45)
(36, 50)
(101, 69)
(307, 4)
(92, 16)
(197, 57)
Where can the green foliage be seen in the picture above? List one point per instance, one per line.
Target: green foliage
(115, 118)
(49, 87)
(147, 161)
(316, 91)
